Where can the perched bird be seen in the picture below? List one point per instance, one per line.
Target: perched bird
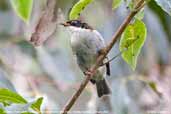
(87, 44)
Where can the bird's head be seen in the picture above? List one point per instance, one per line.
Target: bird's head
(76, 25)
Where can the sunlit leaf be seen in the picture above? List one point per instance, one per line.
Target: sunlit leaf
(36, 105)
(153, 86)
(6, 103)
(10, 96)
(116, 4)
(133, 39)
(77, 8)
(131, 4)
(165, 5)
(23, 8)
(2, 111)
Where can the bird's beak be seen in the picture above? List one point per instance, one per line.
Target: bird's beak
(65, 24)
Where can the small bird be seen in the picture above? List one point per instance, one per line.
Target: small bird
(87, 45)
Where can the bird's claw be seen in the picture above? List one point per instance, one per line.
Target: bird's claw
(88, 72)
(102, 51)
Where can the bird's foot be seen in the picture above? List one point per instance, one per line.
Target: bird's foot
(88, 72)
(102, 51)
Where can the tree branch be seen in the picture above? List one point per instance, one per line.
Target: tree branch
(102, 56)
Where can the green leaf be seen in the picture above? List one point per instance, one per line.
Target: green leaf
(10, 96)
(36, 105)
(5, 103)
(116, 4)
(23, 8)
(133, 39)
(153, 86)
(2, 111)
(77, 8)
(165, 5)
(131, 5)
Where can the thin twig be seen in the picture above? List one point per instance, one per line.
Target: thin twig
(117, 55)
(101, 58)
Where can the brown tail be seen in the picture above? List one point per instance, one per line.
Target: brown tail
(102, 88)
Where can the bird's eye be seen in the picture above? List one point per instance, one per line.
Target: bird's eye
(75, 23)
(84, 25)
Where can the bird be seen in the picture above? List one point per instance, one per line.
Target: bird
(87, 44)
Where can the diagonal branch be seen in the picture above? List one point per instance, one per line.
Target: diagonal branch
(116, 36)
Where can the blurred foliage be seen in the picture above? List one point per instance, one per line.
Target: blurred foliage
(23, 8)
(165, 5)
(12, 102)
(4, 6)
(163, 16)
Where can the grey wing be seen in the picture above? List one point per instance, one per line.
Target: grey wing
(100, 44)
(93, 40)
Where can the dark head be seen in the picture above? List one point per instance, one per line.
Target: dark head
(77, 23)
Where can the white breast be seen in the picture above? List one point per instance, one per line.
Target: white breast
(81, 40)
(86, 44)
